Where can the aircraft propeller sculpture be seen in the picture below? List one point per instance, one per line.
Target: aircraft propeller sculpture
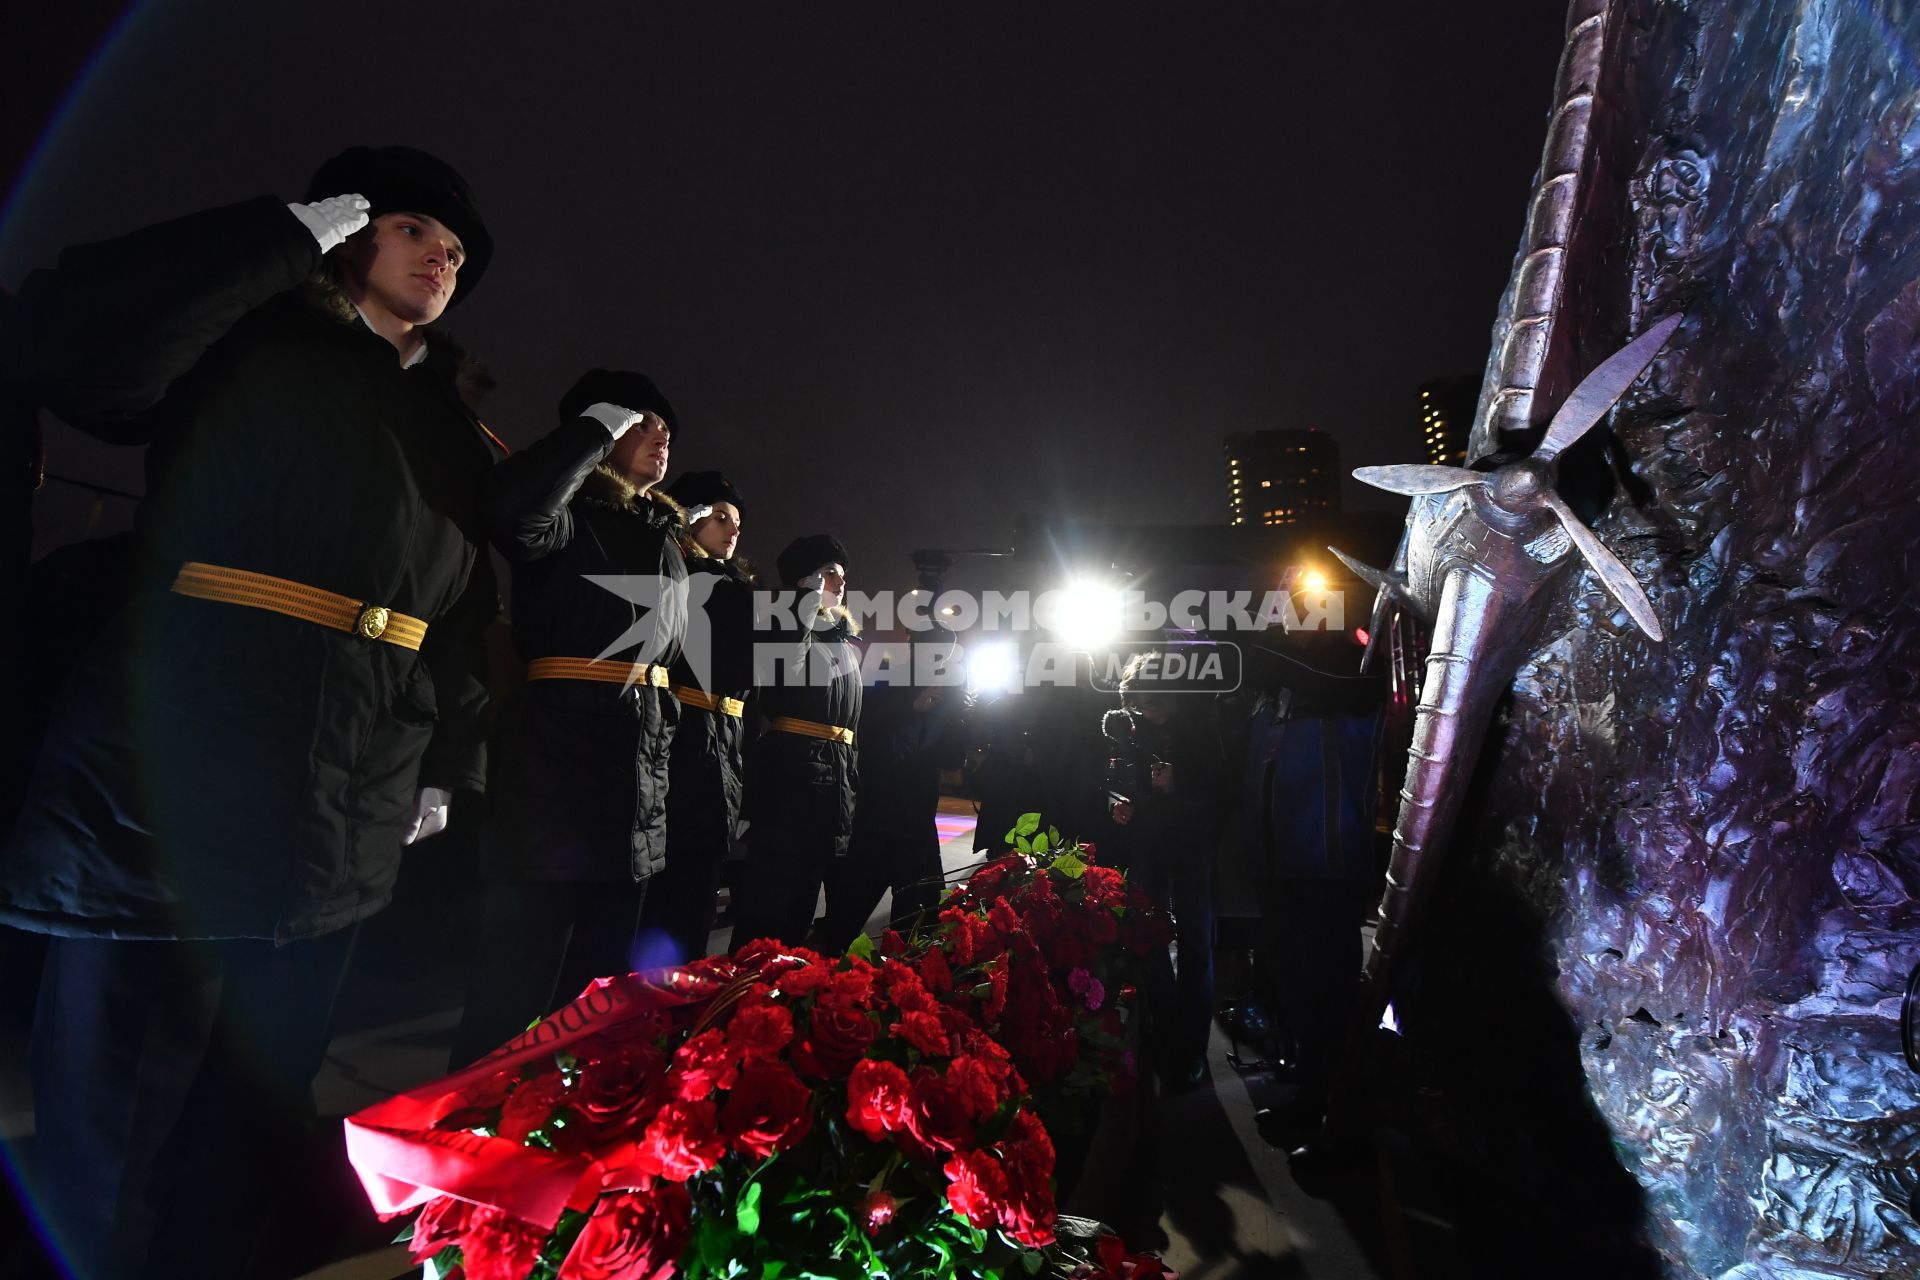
(1480, 548)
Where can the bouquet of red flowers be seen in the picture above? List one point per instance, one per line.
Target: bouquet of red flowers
(783, 1114)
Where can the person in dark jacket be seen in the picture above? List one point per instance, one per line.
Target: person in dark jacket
(711, 680)
(801, 773)
(908, 734)
(579, 790)
(1173, 824)
(292, 695)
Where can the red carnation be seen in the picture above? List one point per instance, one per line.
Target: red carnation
(531, 1106)
(498, 1246)
(855, 983)
(769, 1110)
(876, 1211)
(975, 1083)
(441, 1223)
(924, 1032)
(805, 980)
(760, 1027)
(997, 992)
(877, 1098)
(839, 1034)
(938, 1116)
(905, 988)
(707, 1062)
(975, 1187)
(935, 972)
(632, 1236)
(683, 1141)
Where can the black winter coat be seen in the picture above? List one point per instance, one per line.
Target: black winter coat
(215, 770)
(709, 746)
(803, 788)
(579, 788)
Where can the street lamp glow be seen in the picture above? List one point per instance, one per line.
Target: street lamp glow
(1087, 614)
(1313, 582)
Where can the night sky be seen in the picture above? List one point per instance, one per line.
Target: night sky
(904, 268)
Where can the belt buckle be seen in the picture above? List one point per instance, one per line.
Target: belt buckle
(372, 622)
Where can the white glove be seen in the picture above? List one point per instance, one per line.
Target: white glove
(334, 219)
(430, 809)
(611, 416)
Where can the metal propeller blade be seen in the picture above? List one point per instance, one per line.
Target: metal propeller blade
(1601, 389)
(1412, 479)
(1378, 579)
(1614, 576)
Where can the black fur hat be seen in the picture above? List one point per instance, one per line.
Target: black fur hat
(804, 555)
(703, 489)
(631, 391)
(402, 178)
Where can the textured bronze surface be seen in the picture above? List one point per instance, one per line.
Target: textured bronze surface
(1712, 846)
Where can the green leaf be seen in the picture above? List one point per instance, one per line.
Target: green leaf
(1069, 864)
(747, 1212)
(1054, 834)
(1023, 844)
(1040, 843)
(861, 948)
(406, 1232)
(1028, 824)
(771, 1270)
(1031, 1260)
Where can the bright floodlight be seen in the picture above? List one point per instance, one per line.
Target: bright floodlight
(993, 666)
(1313, 582)
(1088, 614)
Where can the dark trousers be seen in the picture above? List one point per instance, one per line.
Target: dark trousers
(1312, 955)
(172, 1085)
(676, 924)
(781, 885)
(1181, 879)
(878, 859)
(538, 946)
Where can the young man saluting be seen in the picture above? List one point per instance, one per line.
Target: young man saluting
(292, 696)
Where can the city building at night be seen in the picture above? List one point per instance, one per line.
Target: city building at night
(1446, 416)
(1281, 477)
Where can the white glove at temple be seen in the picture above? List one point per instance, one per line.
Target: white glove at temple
(430, 810)
(334, 219)
(611, 416)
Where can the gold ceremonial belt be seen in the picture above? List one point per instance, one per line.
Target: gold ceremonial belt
(708, 702)
(297, 600)
(811, 729)
(589, 669)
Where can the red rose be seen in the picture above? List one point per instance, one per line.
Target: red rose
(531, 1106)
(838, 1035)
(975, 1187)
(769, 1109)
(877, 1098)
(615, 1094)
(924, 1032)
(938, 1117)
(682, 1141)
(760, 1027)
(705, 1063)
(498, 1246)
(632, 1236)
(892, 944)
(876, 1211)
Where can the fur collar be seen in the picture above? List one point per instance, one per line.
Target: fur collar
(471, 379)
(609, 486)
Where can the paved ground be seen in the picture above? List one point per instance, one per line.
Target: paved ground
(1188, 1175)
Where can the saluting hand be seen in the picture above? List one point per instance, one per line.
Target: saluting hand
(608, 396)
(334, 219)
(430, 811)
